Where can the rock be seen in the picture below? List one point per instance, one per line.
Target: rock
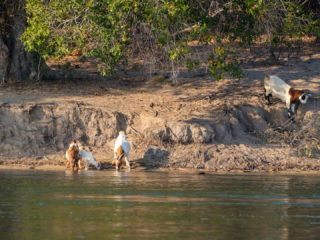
(181, 133)
(202, 134)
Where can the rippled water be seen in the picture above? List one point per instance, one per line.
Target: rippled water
(157, 205)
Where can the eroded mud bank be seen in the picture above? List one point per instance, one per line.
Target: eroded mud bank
(238, 137)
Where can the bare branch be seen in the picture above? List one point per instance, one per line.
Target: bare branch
(218, 11)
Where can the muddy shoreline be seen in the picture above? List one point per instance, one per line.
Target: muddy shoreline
(61, 168)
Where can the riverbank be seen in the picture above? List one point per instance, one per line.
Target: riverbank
(201, 124)
(61, 168)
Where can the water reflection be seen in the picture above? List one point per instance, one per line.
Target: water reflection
(120, 174)
(157, 205)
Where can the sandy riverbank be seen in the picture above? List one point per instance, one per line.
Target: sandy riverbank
(220, 126)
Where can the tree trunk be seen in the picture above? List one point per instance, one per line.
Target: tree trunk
(16, 65)
(4, 60)
(20, 63)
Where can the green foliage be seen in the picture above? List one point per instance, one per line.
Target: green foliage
(249, 20)
(107, 28)
(192, 64)
(99, 29)
(218, 65)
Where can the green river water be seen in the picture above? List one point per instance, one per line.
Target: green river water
(157, 205)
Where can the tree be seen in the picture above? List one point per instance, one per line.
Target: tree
(113, 30)
(15, 63)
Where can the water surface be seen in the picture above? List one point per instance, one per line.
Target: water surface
(157, 205)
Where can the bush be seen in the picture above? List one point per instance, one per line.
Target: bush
(112, 30)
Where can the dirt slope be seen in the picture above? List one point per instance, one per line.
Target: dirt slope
(220, 126)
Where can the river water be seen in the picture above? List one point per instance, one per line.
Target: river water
(157, 205)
